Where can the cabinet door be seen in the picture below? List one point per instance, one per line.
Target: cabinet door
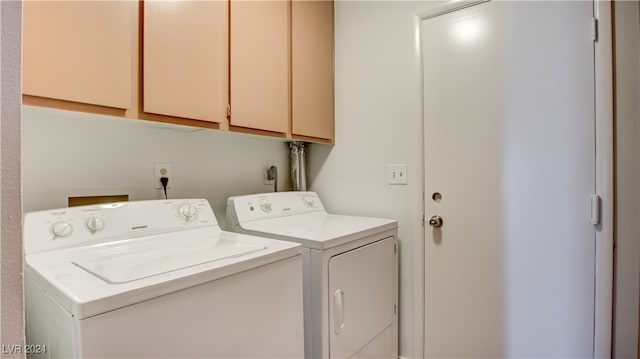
(260, 65)
(312, 68)
(185, 59)
(80, 51)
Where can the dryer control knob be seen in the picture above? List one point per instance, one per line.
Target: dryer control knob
(266, 207)
(61, 229)
(308, 201)
(188, 211)
(95, 224)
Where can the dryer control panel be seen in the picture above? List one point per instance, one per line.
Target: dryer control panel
(271, 205)
(75, 226)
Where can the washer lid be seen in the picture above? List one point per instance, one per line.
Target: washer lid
(318, 230)
(126, 261)
(98, 278)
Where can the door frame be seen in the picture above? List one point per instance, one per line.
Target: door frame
(604, 163)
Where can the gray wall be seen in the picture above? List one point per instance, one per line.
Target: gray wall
(378, 122)
(74, 154)
(11, 308)
(627, 75)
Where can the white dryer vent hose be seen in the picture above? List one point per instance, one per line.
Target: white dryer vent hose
(298, 176)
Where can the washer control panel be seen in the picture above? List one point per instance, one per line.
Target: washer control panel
(75, 226)
(188, 212)
(94, 224)
(271, 205)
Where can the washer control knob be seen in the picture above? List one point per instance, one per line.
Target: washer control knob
(61, 229)
(95, 224)
(188, 211)
(266, 207)
(308, 201)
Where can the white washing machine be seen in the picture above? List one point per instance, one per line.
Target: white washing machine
(155, 279)
(350, 271)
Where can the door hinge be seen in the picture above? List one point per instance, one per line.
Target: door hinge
(423, 219)
(596, 209)
(395, 309)
(594, 29)
(395, 249)
(228, 111)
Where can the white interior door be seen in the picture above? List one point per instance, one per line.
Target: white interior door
(509, 148)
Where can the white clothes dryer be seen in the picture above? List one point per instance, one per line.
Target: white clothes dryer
(157, 279)
(350, 267)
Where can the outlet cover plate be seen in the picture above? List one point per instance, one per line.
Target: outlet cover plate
(267, 181)
(162, 169)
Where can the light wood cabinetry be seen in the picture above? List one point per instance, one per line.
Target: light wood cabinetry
(80, 51)
(185, 61)
(260, 65)
(312, 69)
(185, 52)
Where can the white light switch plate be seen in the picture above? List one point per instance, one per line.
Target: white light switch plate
(397, 173)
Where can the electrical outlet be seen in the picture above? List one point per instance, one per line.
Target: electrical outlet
(268, 180)
(162, 170)
(397, 173)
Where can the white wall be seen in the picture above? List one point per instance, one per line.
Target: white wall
(11, 304)
(627, 179)
(378, 122)
(70, 154)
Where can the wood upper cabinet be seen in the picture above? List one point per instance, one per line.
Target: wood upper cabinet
(312, 69)
(260, 65)
(185, 55)
(282, 67)
(80, 51)
(184, 61)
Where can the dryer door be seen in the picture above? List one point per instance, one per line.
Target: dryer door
(362, 299)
